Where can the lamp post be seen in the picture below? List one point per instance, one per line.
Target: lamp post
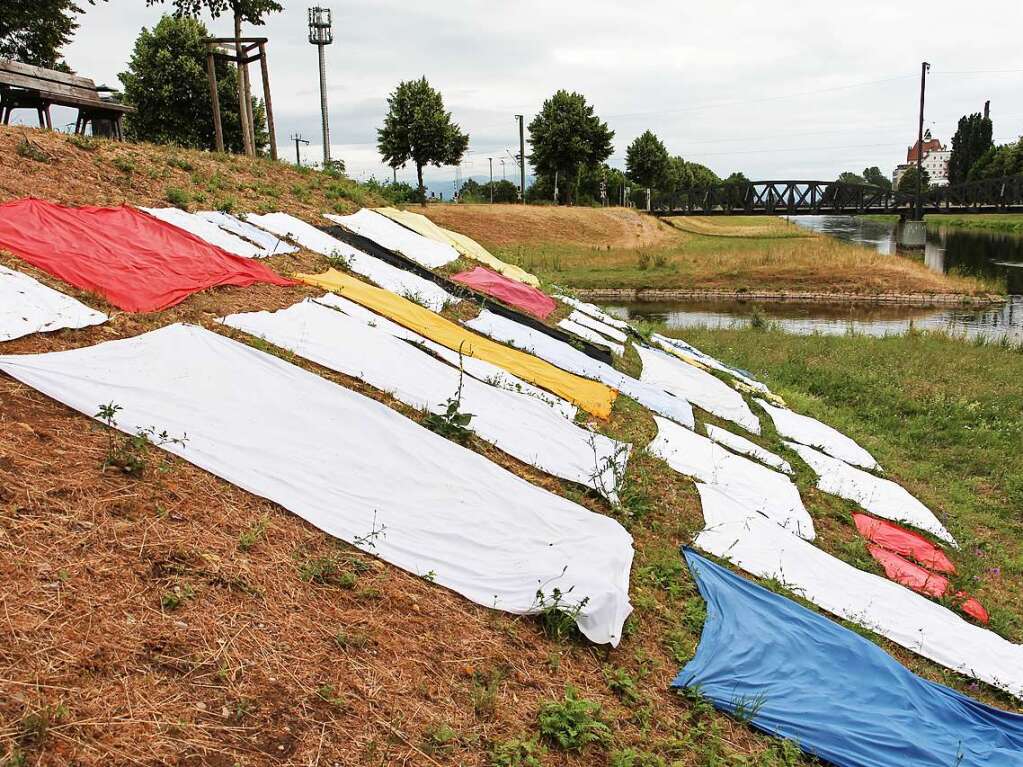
(924, 69)
(320, 35)
(491, 159)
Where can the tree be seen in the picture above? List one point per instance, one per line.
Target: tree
(167, 83)
(998, 161)
(907, 183)
(875, 177)
(971, 140)
(566, 136)
(418, 128)
(646, 161)
(250, 11)
(34, 31)
(848, 177)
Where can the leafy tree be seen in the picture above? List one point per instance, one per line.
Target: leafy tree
(567, 137)
(998, 161)
(646, 161)
(166, 81)
(971, 140)
(908, 181)
(418, 128)
(848, 177)
(34, 31)
(242, 11)
(875, 177)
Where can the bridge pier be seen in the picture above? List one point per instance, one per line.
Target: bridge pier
(911, 234)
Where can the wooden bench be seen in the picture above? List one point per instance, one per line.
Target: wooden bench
(23, 86)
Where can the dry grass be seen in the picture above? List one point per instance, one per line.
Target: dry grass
(758, 227)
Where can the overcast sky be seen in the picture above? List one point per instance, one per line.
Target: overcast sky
(783, 90)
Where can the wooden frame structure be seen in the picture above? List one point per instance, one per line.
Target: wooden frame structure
(242, 51)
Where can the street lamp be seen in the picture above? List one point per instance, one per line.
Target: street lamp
(320, 34)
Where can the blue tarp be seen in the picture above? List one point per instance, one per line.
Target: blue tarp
(839, 696)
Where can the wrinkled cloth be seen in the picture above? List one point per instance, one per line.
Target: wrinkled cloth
(27, 306)
(394, 236)
(591, 335)
(511, 292)
(809, 431)
(205, 230)
(268, 244)
(747, 447)
(352, 467)
(796, 674)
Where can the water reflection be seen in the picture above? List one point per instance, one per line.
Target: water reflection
(992, 256)
(994, 323)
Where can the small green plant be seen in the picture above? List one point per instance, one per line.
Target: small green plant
(746, 707)
(15, 758)
(85, 143)
(757, 320)
(173, 599)
(251, 535)
(180, 163)
(226, 204)
(484, 690)
(621, 683)
(517, 752)
(352, 640)
(177, 197)
(630, 757)
(124, 164)
(558, 614)
(30, 151)
(328, 694)
(369, 540)
(332, 571)
(130, 452)
(439, 739)
(643, 261)
(452, 423)
(572, 723)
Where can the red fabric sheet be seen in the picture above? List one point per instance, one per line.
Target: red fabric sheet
(908, 574)
(903, 541)
(514, 293)
(137, 262)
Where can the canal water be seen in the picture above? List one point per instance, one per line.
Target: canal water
(994, 256)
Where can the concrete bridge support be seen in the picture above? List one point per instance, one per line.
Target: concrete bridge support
(911, 234)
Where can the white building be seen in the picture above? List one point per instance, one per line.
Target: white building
(935, 161)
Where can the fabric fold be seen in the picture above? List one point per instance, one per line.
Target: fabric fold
(27, 306)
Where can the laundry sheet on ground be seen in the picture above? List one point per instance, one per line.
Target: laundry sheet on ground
(524, 297)
(479, 369)
(881, 497)
(516, 423)
(698, 386)
(837, 695)
(268, 244)
(761, 489)
(688, 352)
(385, 275)
(568, 358)
(765, 550)
(742, 445)
(603, 328)
(466, 246)
(136, 261)
(593, 311)
(394, 236)
(591, 335)
(903, 542)
(809, 431)
(205, 230)
(593, 397)
(352, 467)
(27, 306)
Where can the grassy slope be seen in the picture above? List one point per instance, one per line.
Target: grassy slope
(177, 619)
(617, 248)
(1010, 223)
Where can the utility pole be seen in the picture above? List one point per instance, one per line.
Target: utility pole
(503, 177)
(297, 138)
(924, 69)
(320, 35)
(522, 159)
(491, 180)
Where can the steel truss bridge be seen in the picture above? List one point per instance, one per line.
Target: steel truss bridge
(801, 198)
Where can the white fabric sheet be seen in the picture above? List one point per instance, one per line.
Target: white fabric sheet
(603, 328)
(761, 489)
(591, 335)
(667, 344)
(698, 386)
(878, 604)
(389, 277)
(205, 230)
(352, 467)
(393, 236)
(594, 311)
(479, 369)
(881, 497)
(746, 447)
(516, 423)
(574, 361)
(809, 431)
(268, 244)
(27, 306)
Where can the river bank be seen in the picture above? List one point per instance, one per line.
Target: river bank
(780, 296)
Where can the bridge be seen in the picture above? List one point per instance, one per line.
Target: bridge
(807, 198)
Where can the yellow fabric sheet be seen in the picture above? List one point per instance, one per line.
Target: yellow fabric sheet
(467, 246)
(591, 396)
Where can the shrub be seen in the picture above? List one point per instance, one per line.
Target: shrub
(177, 197)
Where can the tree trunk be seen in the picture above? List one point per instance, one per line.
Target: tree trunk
(243, 110)
(422, 188)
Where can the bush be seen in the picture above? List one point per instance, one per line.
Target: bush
(572, 723)
(177, 197)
